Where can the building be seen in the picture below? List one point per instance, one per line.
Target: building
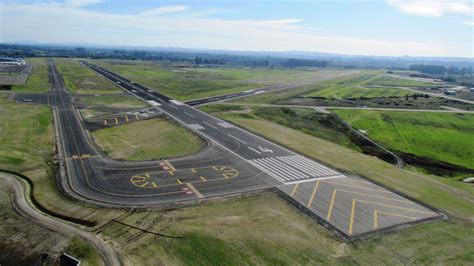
(450, 92)
(9, 61)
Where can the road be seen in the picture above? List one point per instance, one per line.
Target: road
(23, 206)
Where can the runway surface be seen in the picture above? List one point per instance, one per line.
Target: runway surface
(236, 161)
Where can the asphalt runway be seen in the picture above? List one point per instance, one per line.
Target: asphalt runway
(235, 161)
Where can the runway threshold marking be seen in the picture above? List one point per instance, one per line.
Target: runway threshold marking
(136, 116)
(105, 122)
(179, 181)
(203, 178)
(193, 170)
(198, 194)
(116, 120)
(126, 118)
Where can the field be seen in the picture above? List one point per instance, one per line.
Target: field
(38, 81)
(184, 83)
(26, 146)
(399, 82)
(440, 136)
(82, 80)
(357, 90)
(343, 92)
(124, 101)
(147, 140)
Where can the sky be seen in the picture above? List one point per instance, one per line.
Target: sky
(359, 27)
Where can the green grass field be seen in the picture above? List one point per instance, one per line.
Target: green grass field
(147, 140)
(26, 146)
(441, 136)
(80, 79)
(399, 82)
(342, 92)
(191, 83)
(348, 87)
(113, 101)
(38, 81)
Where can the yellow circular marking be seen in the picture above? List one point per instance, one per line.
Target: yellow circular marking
(143, 181)
(226, 171)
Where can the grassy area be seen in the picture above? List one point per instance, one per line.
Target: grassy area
(191, 83)
(265, 229)
(113, 101)
(147, 140)
(26, 146)
(38, 81)
(350, 92)
(349, 87)
(384, 80)
(80, 79)
(23, 129)
(441, 136)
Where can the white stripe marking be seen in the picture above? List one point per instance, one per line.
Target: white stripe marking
(209, 125)
(234, 137)
(250, 148)
(190, 114)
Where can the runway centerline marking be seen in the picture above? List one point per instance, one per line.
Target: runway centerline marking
(209, 125)
(190, 114)
(250, 148)
(234, 137)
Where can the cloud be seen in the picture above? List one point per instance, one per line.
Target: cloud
(69, 24)
(165, 10)
(79, 3)
(469, 23)
(433, 8)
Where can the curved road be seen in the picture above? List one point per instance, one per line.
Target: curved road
(21, 203)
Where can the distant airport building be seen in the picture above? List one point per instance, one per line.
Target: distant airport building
(9, 61)
(450, 92)
(471, 89)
